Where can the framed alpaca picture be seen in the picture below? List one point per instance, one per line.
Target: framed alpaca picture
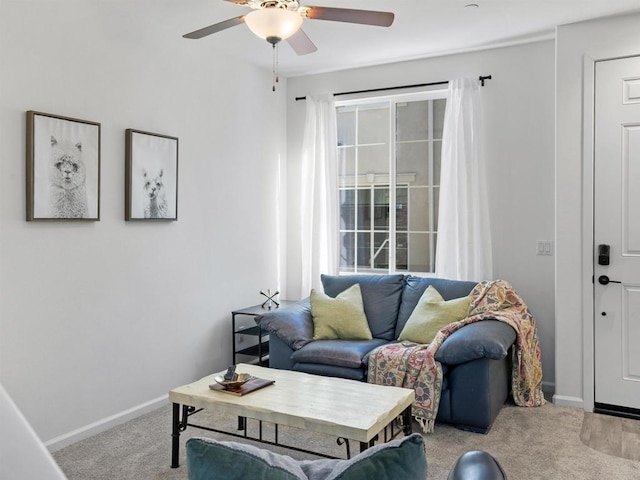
(63, 168)
(151, 176)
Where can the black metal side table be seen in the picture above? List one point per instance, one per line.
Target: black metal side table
(260, 350)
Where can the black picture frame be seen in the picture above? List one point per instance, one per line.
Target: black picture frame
(151, 176)
(63, 168)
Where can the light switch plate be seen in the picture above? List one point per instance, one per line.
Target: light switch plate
(544, 247)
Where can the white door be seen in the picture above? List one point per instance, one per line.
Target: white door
(617, 224)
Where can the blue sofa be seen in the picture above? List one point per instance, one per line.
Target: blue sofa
(476, 359)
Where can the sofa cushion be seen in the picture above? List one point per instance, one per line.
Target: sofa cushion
(431, 314)
(209, 459)
(380, 295)
(343, 353)
(340, 317)
(331, 371)
(415, 287)
(483, 339)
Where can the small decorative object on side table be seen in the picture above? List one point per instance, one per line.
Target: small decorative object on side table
(260, 350)
(270, 301)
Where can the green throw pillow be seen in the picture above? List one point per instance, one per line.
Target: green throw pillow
(431, 314)
(342, 317)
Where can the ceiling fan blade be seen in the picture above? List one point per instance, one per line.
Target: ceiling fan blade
(365, 17)
(203, 32)
(301, 43)
(238, 2)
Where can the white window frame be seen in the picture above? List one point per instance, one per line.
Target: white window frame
(393, 100)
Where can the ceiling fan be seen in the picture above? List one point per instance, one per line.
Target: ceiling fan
(276, 20)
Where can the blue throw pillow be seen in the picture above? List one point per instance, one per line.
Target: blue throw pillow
(210, 459)
(380, 297)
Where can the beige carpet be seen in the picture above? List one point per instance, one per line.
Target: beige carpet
(530, 443)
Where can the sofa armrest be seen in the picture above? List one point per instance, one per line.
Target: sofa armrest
(484, 339)
(292, 324)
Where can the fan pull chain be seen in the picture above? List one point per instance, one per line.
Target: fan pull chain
(276, 79)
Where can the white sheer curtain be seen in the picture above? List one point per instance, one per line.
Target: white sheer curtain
(464, 238)
(319, 206)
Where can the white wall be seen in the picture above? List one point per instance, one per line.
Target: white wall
(519, 111)
(579, 45)
(100, 318)
(19, 442)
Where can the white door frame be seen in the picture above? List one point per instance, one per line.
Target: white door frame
(588, 345)
(588, 242)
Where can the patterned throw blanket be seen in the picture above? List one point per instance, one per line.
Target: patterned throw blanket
(411, 365)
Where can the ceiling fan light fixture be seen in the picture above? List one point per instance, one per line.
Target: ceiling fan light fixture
(273, 24)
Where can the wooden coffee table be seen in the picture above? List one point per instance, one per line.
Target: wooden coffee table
(346, 409)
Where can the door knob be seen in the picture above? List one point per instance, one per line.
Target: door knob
(604, 280)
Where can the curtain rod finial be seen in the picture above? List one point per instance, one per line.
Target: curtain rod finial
(483, 78)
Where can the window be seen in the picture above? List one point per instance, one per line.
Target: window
(389, 174)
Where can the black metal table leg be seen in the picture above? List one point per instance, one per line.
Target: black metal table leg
(175, 436)
(179, 424)
(406, 420)
(365, 445)
(345, 441)
(370, 443)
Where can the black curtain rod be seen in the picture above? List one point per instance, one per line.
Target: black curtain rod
(383, 89)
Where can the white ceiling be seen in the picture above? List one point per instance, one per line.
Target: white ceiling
(422, 28)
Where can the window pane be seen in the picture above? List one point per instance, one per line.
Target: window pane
(401, 251)
(419, 252)
(437, 153)
(434, 239)
(347, 251)
(373, 159)
(373, 124)
(412, 121)
(381, 253)
(364, 209)
(436, 207)
(364, 249)
(402, 209)
(347, 210)
(346, 121)
(439, 107)
(419, 209)
(381, 208)
(347, 165)
(413, 158)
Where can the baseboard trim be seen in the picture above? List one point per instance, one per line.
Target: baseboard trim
(105, 424)
(548, 388)
(566, 401)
